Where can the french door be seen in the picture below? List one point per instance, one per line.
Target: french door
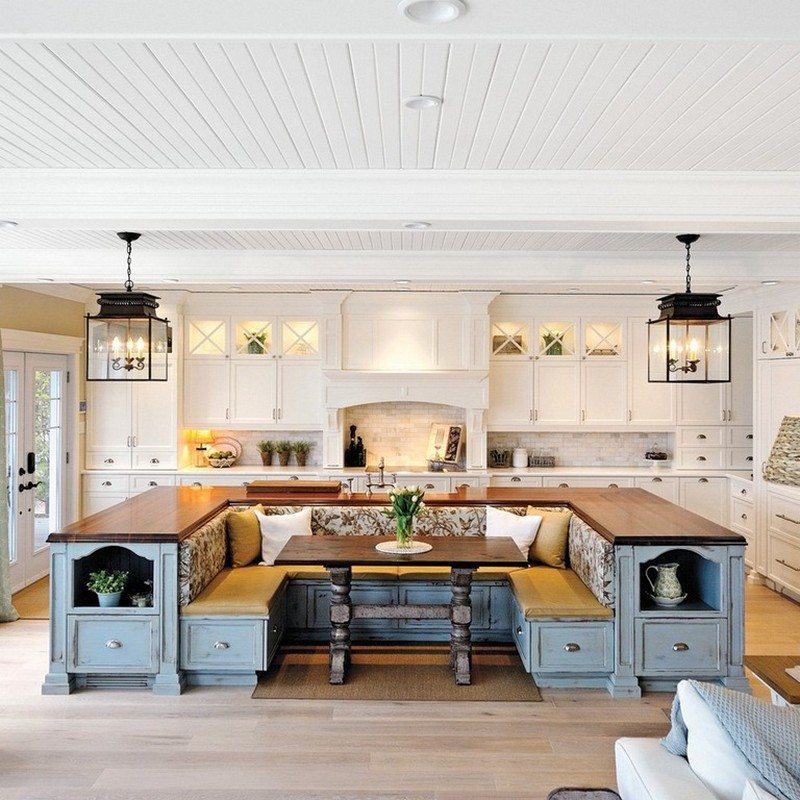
(35, 399)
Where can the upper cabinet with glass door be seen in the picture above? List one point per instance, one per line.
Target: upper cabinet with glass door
(252, 338)
(557, 338)
(603, 339)
(510, 340)
(780, 334)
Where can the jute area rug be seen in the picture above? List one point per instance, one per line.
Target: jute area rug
(397, 672)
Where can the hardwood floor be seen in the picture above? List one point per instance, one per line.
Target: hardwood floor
(33, 602)
(215, 743)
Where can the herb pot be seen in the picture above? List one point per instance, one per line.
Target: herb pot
(109, 600)
(283, 459)
(301, 459)
(266, 458)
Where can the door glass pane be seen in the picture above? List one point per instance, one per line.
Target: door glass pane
(509, 339)
(557, 339)
(603, 338)
(11, 444)
(47, 442)
(300, 338)
(253, 338)
(207, 337)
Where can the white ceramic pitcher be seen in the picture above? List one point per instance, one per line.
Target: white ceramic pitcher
(666, 583)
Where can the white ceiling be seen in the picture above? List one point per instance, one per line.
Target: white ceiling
(615, 104)
(252, 138)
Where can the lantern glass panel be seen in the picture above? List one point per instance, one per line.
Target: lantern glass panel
(126, 349)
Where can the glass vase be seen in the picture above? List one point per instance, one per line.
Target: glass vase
(405, 531)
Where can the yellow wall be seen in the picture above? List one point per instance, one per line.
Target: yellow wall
(24, 310)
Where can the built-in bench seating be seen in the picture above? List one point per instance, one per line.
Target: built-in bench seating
(232, 619)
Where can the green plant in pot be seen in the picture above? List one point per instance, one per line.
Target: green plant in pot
(407, 503)
(301, 450)
(284, 449)
(266, 449)
(108, 586)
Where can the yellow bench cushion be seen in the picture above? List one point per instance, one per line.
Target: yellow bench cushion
(548, 592)
(443, 573)
(244, 592)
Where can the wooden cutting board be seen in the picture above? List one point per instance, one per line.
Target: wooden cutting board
(291, 487)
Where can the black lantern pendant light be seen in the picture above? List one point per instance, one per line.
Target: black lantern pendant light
(690, 342)
(126, 340)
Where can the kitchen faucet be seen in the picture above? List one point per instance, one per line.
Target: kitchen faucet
(382, 483)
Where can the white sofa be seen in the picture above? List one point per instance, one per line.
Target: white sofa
(713, 770)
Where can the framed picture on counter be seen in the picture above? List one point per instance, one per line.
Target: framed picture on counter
(445, 442)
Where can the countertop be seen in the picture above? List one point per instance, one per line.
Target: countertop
(622, 516)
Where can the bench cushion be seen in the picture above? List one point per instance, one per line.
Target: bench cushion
(246, 592)
(547, 592)
(443, 573)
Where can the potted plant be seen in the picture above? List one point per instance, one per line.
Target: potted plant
(266, 449)
(407, 503)
(108, 586)
(284, 449)
(301, 450)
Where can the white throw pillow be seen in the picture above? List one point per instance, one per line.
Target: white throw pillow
(522, 529)
(711, 753)
(277, 529)
(752, 791)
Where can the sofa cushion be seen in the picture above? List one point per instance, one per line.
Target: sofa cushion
(244, 536)
(550, 545)
(521, 529)
(547, 592)
(443, 573)
(276, 530)
(247, 592)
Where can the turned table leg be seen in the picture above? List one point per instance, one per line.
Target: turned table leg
(341, 614)
(460, 621)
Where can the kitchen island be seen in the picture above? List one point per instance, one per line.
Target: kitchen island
(635, 643)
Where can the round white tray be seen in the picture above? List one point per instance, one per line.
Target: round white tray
(394, 549)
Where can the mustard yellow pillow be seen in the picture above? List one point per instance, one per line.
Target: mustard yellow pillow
(550, 545)
(244, 536)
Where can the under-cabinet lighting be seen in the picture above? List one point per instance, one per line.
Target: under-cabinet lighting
(421, 102)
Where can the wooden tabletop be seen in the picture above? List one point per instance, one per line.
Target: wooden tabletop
(622, 516)
(772, 670)
(359, 551)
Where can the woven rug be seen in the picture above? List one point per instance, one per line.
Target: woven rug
(397, 672)
(583, 794)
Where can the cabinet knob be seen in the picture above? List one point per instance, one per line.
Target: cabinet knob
(152, 483)
(197, 484)
(680, 647)
(274, 628)
(702, 480)
(572, 647)
(744, 516)
(221, 645)
(113, 644)
(106, 483)
(154, 461)
(563, 486)
(516, 479)
(701, 436)
(519, 630)
(749, 458)
(462, 486)
(613, 486)
(429, 486)
(293, 478)
(658, 480)
(108, 461)
(749, 437)
(744, 492)
(701, 458)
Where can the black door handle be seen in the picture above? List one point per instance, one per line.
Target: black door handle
(29, 485)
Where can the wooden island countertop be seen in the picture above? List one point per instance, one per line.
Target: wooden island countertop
(622, 516)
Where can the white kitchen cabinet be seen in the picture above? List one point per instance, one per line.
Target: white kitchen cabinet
(779, 385)
(595, 482)
(516, 481)
(603, 339)
(604, 393)
(668, 488)
(779, 333)
(510, 394)
(206, 393)
(299, 394)
(650, 404)
(703, 404)
(253, 393)
(707, 497)
(131, 425)
(740, 390)
(557, 393)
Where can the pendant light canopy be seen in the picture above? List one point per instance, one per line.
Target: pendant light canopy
(690, 342)
(126, 340)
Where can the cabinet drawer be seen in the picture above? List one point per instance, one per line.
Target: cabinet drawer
(222, 645)
(521, 632)
(108, 459)
(667, 488)
(215, 477)
(705, 436)
(784, 562)
(740, 436)
(740, 458)
(784, 516)
(520, 481)
(589, 483)
(702, 458)
(584, 647)
(106, 484)
(141, 483)
(742, 491)
(467, 481)
(153, 459)
(113, 644)
(682, 648)
(742, 515)
(429, 484)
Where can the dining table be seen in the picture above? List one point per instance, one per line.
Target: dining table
(462, 554)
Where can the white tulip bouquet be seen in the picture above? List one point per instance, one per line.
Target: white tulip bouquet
(407, 503)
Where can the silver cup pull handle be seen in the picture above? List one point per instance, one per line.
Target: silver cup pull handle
(113, 644)
(680, 647)
(572, 647)
(221, 645)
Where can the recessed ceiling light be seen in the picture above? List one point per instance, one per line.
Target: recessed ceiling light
(770, 283)
(420, 102)
(417, 226)
(7, 223)
(432, 12)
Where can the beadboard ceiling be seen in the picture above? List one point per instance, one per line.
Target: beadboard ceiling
(573, 140)
(507, 105)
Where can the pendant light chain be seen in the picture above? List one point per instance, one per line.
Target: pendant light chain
(688, 267)
(129, 282)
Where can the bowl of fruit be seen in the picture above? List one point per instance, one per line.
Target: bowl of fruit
(221, 458)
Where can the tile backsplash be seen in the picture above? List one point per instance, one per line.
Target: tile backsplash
(398, 431)
(586, 449)
(250, 439)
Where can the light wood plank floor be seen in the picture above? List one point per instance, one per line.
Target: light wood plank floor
(215, 743)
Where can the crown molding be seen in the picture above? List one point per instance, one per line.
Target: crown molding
(756, 202)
